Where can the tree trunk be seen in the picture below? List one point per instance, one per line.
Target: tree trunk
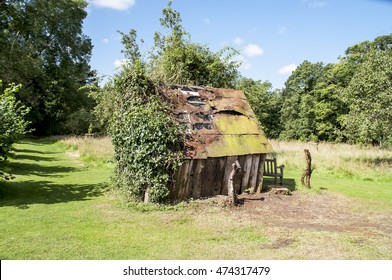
(305, 178)
(231, 189)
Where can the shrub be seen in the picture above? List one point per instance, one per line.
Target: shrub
(12, 123)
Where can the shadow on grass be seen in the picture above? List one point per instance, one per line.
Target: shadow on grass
(289, 183)
(23, 194)
(21, 168)
(38, 141)
(42, 190)
(33, 157)
(28, 151)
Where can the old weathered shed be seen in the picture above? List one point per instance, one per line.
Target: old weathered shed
(221, 128)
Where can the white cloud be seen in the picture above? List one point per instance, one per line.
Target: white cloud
(245, 65)
(316, 3)
(206, 20)
(113, 4)
(288, 69)
(119, 62)
(252, 50)
(238, 41)
(282, 30)
(105, 40)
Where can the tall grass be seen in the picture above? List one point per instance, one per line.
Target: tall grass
(344, 160)
(90, 148)
(339, 159)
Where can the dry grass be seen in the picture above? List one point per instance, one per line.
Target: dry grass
(338, 159)
(91, 148)
(343, 159)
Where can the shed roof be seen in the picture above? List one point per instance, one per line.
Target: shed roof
(219, 122)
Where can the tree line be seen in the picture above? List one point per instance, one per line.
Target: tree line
(350, 101)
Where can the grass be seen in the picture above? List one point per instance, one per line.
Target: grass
(93, 150)
(341, 160)
(359, 172)
(60, 207)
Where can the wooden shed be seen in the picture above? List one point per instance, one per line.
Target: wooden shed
(221, 128)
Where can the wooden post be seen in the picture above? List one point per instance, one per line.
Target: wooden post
(259, 185)
(147, 195)
(305, 178)
(231, 190)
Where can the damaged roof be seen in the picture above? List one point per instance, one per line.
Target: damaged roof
(219, 122)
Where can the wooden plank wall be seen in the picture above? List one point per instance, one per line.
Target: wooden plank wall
(208, 177)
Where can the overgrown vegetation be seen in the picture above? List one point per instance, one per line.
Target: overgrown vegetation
(148, 143)
(90, 149)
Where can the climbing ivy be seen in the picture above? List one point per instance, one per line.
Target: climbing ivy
(147, 140)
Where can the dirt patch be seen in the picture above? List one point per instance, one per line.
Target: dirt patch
(324, 211)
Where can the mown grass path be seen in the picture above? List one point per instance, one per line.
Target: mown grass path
(59, 207)
(47, 210)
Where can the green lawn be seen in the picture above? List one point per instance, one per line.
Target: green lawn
(60, 207)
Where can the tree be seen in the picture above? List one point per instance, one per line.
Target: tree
(297, 113)
(175, 59)
(265, 103)
(42, 47)
(369, 98)
(12, 123)
(311, 103)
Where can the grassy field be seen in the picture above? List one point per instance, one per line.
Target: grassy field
(60, 207)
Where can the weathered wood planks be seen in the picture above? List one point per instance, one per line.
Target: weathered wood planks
(209, 177)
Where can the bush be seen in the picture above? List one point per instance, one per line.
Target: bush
(12, 123)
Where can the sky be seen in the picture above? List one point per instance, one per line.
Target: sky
(273, 37)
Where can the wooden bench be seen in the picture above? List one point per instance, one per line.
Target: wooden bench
(272, 169)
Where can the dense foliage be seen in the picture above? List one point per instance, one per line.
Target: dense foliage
(349, 101)
(369, 99)
(42, 46)
(12, 123)
(175, 59)
(265, 102)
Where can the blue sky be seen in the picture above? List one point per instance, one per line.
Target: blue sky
(273, 36)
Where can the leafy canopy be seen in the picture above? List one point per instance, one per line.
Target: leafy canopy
(42, 46)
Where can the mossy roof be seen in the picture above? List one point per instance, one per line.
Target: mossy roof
(219, 122)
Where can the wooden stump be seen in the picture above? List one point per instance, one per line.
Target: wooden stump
(305, 178)
(147, 195)
(231, 189)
